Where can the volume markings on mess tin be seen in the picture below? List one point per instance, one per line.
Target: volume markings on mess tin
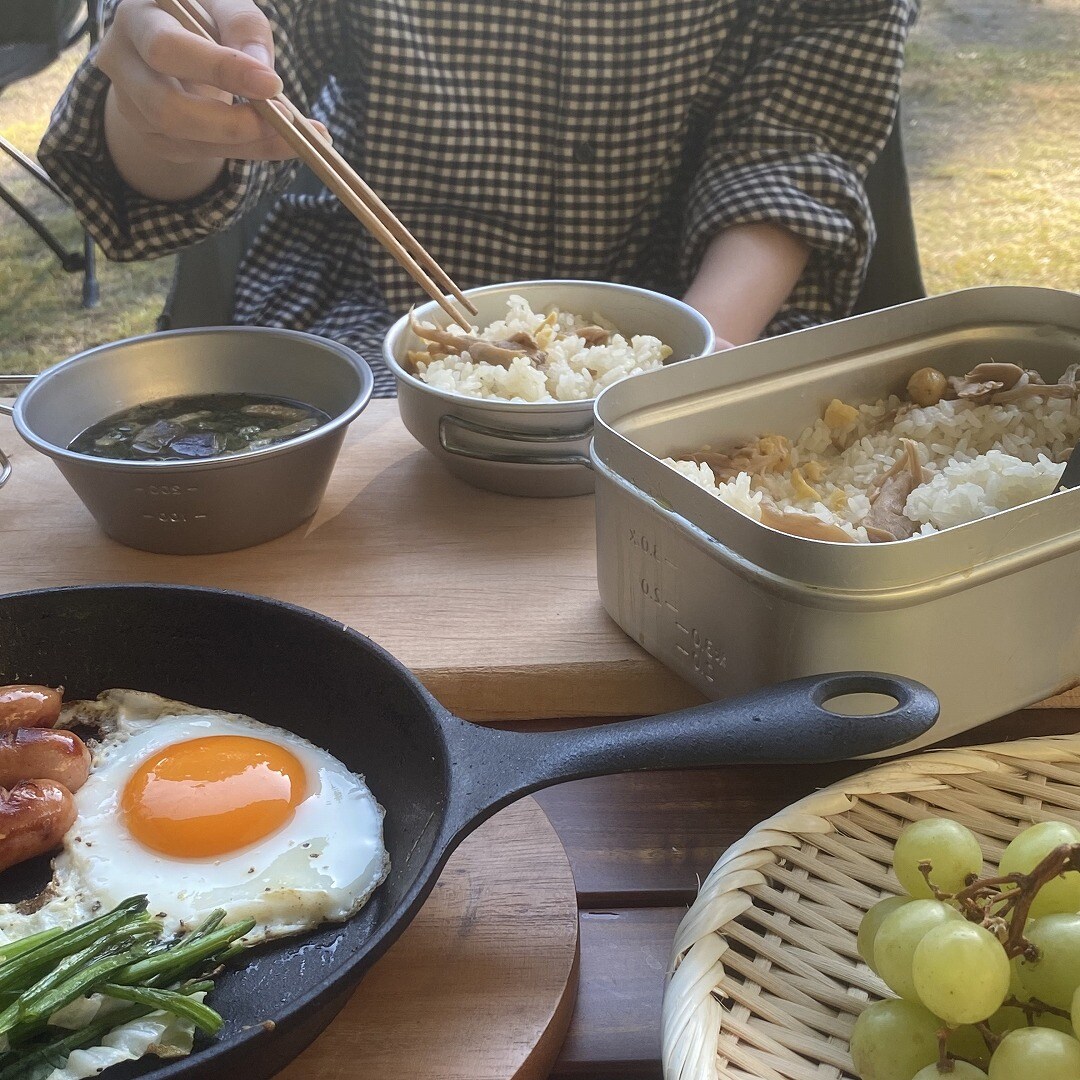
(659, 583)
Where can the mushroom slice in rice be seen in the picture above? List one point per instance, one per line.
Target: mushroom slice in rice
(1070, 376)
(496, 353)
(1003, 384)
(769, 454)
(886, 520)
(593, 335)
(1032, 385)
(809, 527)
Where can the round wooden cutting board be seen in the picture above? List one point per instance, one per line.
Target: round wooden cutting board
(481, 985)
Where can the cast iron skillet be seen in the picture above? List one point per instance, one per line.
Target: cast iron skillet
(437, 776)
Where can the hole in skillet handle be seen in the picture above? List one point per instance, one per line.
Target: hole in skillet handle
(870, 711)
(860, 704)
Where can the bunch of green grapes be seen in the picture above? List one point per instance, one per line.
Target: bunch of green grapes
(986, 969)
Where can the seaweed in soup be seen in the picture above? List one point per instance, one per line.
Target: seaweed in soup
(197, 426)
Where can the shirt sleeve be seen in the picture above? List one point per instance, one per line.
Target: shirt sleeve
(126, 224)
(791, 141)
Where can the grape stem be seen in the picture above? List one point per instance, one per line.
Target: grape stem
(1034, 1007)
(991, 1039)
(989, 900)
(944, 1062)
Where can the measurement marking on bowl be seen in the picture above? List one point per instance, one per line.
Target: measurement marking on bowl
(668, 571)
(700, 651)
(651, 591)
(674, 570)
(645, 544)
(164, 489)
(173, 518)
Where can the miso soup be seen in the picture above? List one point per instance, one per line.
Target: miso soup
(197, 426)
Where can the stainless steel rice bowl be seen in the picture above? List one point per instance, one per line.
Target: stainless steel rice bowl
(210, 504)
(531, 448)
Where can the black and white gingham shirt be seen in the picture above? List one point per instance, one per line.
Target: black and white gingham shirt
(517, 139)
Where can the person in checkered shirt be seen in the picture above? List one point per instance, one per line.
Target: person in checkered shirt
(711, 149)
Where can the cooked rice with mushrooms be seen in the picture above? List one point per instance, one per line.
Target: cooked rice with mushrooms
(530, 356)
(956, 450)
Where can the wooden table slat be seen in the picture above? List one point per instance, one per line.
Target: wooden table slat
(615, 1030)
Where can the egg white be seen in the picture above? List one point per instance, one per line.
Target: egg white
(320, 866)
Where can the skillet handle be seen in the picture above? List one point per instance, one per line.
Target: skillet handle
(783, 724)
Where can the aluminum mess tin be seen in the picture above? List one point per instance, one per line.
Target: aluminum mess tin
(531, 448)
(986, 614)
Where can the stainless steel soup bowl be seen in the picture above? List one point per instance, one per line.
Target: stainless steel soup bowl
(531, 448)
(211, 504)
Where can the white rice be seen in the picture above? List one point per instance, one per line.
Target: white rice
(980, 459)
(574, 370)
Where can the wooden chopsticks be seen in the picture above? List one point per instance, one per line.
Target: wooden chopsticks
(340, 177)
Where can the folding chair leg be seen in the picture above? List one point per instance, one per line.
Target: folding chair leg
(31, 166)
(70, 260)
(91, 295)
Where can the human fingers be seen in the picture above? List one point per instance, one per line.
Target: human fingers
(167, 48)
(270, 147)
(242, 25)
(182, 151)
(234, 132)
(152, 103)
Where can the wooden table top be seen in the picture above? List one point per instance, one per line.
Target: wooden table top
(490, 600)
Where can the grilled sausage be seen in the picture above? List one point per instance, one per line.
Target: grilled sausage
(43, 753)
(28, 706)
(34, 815)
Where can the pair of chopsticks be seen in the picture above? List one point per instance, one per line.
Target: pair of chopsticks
(340, 177)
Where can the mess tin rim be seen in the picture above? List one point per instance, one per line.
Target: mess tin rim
(89, 356)
(401, 325)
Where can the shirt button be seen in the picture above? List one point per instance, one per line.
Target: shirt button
(211, 219)
(584, 153)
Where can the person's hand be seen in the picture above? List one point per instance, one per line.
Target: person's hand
(171, 121)
(174, 90)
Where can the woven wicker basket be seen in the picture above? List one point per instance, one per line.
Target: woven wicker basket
(766, 980)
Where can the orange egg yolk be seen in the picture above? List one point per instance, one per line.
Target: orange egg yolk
(212, 795)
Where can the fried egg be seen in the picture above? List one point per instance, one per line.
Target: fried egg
(200, 809)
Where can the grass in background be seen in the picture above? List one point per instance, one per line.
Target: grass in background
(991, 100)
(992, 134)
(41, 320)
